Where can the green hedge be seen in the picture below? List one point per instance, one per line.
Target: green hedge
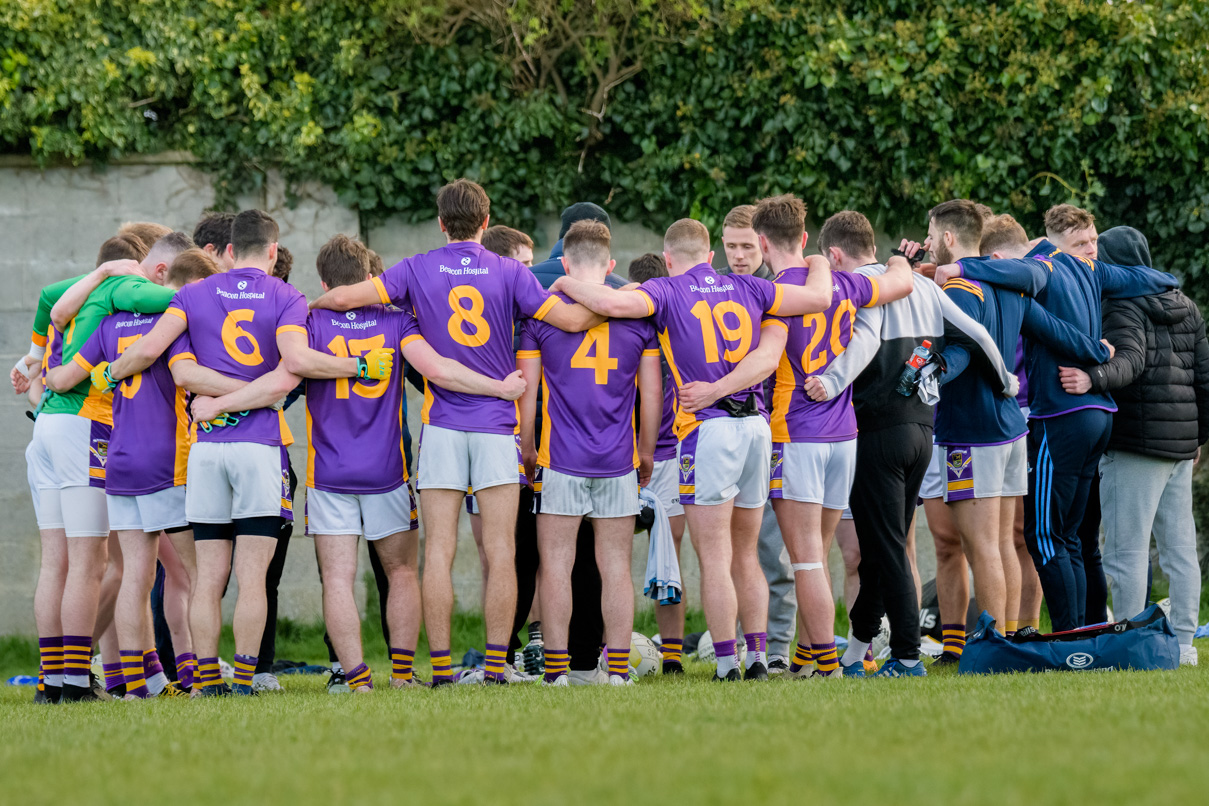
(692, 106)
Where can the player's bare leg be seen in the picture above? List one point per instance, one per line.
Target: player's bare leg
(337, 556)
(498, 507)
(952, 577)
(977, 521)
(476, 530)
(556, 535)
(177, 590)
(132, 614)
(48, 610)
(709, 528)
(850, 552)
(253, 553)
(440, 509)
(751, 585)
(803, 525)
(400, 557)
(614, 550)
(111, 584)
(1029, 614)
(1011, 564)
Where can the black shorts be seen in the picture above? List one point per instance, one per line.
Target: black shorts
(268, 526)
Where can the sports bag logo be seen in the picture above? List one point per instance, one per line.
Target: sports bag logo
(1079, 660)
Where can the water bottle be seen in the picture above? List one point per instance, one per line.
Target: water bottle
(908, 382)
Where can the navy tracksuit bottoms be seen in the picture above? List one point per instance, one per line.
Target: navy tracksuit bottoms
(1064, 452)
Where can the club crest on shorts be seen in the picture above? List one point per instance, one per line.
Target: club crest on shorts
(686, 467)
(776, 460)
(958, 460)
(100, 450)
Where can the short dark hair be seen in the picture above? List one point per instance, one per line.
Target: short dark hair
(252, 231)
(960, 217)
(173, 242)
(780, 219)
(587, 242)
(1066, 217)
(190, 266)
(214, 230)
(463, 206)
(122, 247)
(343, 261)
(1001, 232)
(739, 217)
(647, 266)
(505, 240)
(146, 231)
(849, 231)
(284, 263)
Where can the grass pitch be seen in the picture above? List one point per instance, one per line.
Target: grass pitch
(1060, 738)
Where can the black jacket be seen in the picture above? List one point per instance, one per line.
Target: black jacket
(1159, 376)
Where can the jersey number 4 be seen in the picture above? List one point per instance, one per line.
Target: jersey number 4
(593, 354)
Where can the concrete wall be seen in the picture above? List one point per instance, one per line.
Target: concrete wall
(52, 223)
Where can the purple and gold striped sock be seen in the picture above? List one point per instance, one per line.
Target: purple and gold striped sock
(724, 652)
(757, 643)
(50, 656)
(186, 669)
(618, 660)
(954, 638)
(495, 661)
(157, 681)
(442, 667)
(133, 671)
(673, 650)
(401, 661)
(245, 667)
(208, 673)
(359, 677)
(77, 660)
(802, 658)
(826, 659)
(114, 676)
(558, 661)
(1009, 628)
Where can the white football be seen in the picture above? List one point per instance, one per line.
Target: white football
(644, 655)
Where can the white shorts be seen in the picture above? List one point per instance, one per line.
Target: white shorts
(152, 513)
(67, 450)
(232, 480)
(813, 472)
(375, 515)
(557, 493)
(456, 460)
(65, 468)
(985, 471)
(665, 485)
(934, 480)
(726, 458)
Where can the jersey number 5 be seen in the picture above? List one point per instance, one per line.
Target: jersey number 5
(232, 333)
(600, 362)
(355, 347)
(130, 386)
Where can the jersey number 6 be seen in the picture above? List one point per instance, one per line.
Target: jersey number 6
(232, 333)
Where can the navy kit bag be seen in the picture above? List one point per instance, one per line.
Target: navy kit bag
(1145, 641)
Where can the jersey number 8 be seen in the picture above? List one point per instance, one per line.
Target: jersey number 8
(471, 317)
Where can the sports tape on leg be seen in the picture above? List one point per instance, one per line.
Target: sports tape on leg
(806, 567)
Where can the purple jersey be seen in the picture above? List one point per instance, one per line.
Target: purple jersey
(665, 444)
(814, 342)
(149, 446)
(466, 301)
(355, 428)
(706, 325)
(589, 385)
(233, 320)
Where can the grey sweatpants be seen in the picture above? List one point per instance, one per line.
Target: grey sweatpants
(782, 601)
(1139, 496)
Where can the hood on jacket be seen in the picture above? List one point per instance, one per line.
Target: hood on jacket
(1124, 246)
(1166, 308)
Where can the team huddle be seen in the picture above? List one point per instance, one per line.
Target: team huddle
(792, 390)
